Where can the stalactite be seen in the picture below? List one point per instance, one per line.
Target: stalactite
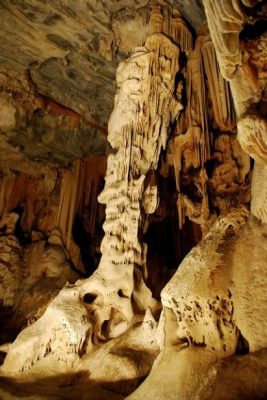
(26, 192)
(194, 144)
(181, 33)
(156, 19)
(80, 187)
(247, 82)
(197, 98)
(196, 211)
(69, 202)
(160, 17)
(46, 197)
(189, 141)
(222, 104)
(94, 173)
(191, 149)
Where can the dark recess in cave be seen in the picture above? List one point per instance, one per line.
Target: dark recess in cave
(252, 31)
(84, 241)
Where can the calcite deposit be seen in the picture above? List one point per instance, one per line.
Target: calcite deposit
(133, 245)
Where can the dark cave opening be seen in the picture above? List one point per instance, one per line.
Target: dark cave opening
(167, 244)
(85, 243)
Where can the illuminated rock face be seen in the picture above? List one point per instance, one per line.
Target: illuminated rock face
(213, 306)
(244, 69)
(203, 303)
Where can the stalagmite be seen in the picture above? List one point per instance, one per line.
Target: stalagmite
(138, 129)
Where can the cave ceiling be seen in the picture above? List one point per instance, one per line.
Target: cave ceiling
(57, 71)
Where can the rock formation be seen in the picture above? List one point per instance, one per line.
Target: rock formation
(187, 154)
(145, 107)
(218, 322)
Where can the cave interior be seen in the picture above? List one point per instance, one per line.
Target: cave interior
(133, 199)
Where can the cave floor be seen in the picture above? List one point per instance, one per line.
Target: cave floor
(66, 386)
